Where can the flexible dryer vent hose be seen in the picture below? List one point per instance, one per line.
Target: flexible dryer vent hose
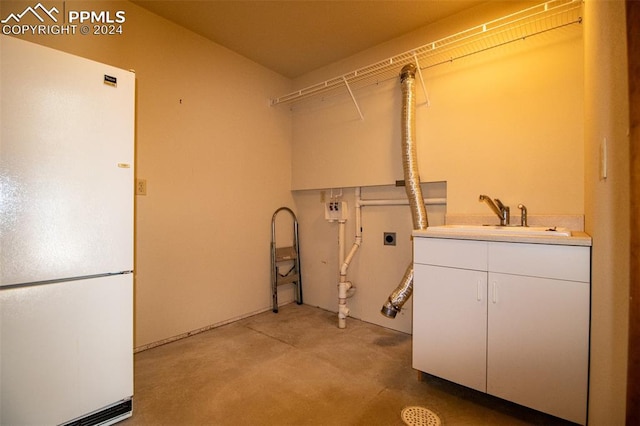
(412, 184)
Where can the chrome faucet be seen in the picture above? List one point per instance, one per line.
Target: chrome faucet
(523, 215)
(498, 208)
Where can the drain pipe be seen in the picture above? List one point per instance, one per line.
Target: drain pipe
(345, 288)
(412, 184)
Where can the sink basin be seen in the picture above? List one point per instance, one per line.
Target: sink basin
(544, 231)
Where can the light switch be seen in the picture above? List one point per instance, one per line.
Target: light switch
(603, 160)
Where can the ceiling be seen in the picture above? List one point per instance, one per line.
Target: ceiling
(297, 36)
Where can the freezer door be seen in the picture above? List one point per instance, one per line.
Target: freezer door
(67, 349)
(66, 165)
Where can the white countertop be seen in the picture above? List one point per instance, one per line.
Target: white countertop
(577, 238)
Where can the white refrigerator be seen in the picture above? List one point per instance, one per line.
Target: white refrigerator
(66, 238)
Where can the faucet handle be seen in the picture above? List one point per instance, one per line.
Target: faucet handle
(498, 208)
(505, 212)
(523, 214)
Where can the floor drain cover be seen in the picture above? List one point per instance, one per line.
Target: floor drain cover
(420, 416)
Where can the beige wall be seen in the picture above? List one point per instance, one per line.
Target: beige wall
(507, 122)
(607, 206)
(202, 255)
(578, 99)
(216, 158)
(376, 268)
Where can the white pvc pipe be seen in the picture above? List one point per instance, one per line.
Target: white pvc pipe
(344, 263)
(345, 288)
(358, 213)
(343, 310)
(352, 252)
(341, 249)
(402, 202)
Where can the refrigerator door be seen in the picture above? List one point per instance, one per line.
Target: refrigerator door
(66, 165)
(66, 349)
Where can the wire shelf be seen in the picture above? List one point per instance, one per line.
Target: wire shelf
(526, 23)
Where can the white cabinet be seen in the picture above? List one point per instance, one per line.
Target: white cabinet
(454, 317)
(509, 319)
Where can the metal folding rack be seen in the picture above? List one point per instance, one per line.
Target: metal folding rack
(289, 255)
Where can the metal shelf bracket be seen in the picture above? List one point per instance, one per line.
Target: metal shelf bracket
(353, 98)
(538, 19)
(424, 87)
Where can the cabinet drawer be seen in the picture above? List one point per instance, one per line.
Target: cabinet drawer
(465, 254)
(541, 260)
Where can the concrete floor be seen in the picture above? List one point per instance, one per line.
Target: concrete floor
(297, 368)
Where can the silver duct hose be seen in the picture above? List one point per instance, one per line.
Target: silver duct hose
(412, 184)
(409, 151)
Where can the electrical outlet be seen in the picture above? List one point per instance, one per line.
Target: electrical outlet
(141, 187)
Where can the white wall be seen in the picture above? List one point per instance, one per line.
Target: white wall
(202, 254)
(507, 122)
(216, 158)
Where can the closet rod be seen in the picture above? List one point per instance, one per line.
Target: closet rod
(534, 20)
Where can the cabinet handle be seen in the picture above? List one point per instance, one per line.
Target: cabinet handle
(495, 292)
(479, 294)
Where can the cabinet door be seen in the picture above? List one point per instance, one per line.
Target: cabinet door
(450, 324)
(538, 338)
(67, 349)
